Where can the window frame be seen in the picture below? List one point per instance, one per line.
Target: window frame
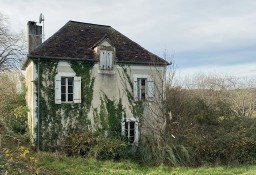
(126, 131)
(148, 88)
(67, 93)
(76, 90)
(106, 59)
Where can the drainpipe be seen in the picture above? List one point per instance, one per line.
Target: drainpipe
(38, 104)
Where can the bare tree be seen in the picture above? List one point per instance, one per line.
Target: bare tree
(12, 46)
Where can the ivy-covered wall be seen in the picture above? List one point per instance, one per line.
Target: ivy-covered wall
(58, 121)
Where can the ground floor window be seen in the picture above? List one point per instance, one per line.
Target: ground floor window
(130, 131)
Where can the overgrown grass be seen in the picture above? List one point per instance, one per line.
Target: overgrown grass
(62, 165)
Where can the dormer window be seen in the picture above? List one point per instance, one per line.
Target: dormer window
(106, 60)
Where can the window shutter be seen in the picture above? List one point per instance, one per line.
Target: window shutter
(77, 90)
(135, 90)
(123, 128)
(136, 138)
(102, 59)
(110, 66)
(150, 89)
(57, 89)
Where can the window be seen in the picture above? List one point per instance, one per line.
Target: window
(130, 131)
(67, 89)
(141, 83)
(143, 88)
(106, 60)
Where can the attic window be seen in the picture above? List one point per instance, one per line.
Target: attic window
(106, 60)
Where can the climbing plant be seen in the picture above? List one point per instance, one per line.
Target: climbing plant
(58, 120)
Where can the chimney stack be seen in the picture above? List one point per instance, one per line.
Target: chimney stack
(34, 35)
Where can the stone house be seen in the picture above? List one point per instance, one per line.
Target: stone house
(84, 74)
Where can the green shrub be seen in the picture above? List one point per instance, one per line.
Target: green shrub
(78, 143)
(94, 145)
(109, 149)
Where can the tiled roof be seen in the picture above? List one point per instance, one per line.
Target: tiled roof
(76, 40)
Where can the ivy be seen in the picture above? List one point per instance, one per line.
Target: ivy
(59, 120)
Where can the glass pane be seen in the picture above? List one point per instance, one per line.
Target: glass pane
(63, 81)
(132, 125)
(63, 97)
(143, 96)
(70, 97)
(126, 125)
(70, 81)
(132, 133)
(70, 89)
(63, 89)
(143, 82)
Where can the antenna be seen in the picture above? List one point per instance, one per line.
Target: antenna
(41, 19)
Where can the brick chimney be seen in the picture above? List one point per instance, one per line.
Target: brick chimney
(34, 35)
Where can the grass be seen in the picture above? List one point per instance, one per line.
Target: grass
(62, 165)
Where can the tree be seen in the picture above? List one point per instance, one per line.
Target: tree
(11, 46)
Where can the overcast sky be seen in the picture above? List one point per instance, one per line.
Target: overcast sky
(200, 35)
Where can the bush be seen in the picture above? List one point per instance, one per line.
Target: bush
(78, 143)
(109, 149)
(88, 144)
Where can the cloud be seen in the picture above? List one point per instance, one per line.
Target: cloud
(196, 32)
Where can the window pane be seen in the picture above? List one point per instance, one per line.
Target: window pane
(63, 81)
(132, 125)
(143, 96)
(63, 97)
(143, 82)
(70, 89)
(70, 97)
(63, 89)
(131, 133)
(126, 125)
(70, 81)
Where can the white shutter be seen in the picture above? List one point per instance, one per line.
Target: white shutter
(77, 90)
(102, 59)
(123, 128)
(57, 89)
(109, 60)
(135, 90)
(136, 137)
(150, 89)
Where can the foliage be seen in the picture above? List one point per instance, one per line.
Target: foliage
(206, 124)
(52, 115)
(18, 161)
(67, 127)
(95, 145)
(13, 119)
(62, 165)
(109, 149)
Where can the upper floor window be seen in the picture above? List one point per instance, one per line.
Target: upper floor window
(143, 88)
(106, 60)
(67, 89)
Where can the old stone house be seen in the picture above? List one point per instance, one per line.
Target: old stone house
(87, 74)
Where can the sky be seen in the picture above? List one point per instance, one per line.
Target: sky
(200, 36)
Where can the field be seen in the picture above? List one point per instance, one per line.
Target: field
(61, 165)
